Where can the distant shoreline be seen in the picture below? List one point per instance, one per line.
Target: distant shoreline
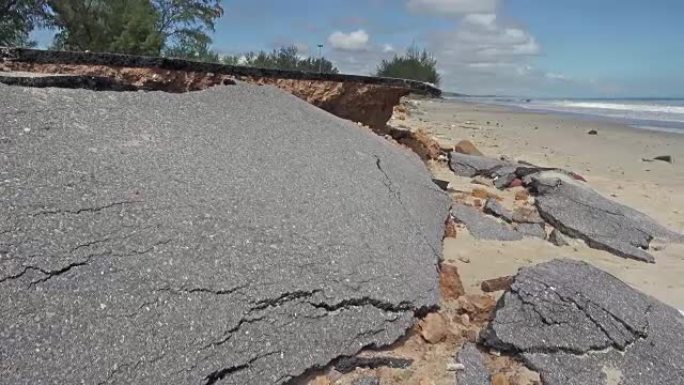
(661, 115)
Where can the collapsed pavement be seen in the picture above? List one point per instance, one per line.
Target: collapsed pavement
(577, 325)
(580, 212)
(481, 226)
(232, 235)
(562, 200)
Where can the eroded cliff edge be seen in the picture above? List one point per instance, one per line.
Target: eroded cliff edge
(368, 100)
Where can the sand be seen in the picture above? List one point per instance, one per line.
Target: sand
(610, 161)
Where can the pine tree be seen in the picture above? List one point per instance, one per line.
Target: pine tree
(122, 26)
(18, 18)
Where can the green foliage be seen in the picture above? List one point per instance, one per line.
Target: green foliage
(416, 65)
(122, 26)
(173, 28)
(149, 27)
(185, 26)
(284, 58)
(193, 50)
(18, 18)
(137, 34)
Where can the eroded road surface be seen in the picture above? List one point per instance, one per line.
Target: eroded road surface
(234, 235)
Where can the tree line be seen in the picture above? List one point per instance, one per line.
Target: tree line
(140, 27)
(172, 28)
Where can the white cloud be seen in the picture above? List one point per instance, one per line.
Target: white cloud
(481, 38)
(352, 41)
(452, 7)
(387, 48)
(483, 55)
(359, 62)
(555, 76)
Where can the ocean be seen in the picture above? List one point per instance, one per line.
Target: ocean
(652, 113)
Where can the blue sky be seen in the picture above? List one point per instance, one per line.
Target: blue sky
(594, 48)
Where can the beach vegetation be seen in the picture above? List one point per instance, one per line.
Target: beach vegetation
(121, 26)
(283, 58)
(149, 27)
(18, 18)
(415, 64)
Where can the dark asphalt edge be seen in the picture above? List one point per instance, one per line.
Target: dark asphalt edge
(30, 55)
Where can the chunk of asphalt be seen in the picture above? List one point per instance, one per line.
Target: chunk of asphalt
(578, 325)
(581, 212)
(473, 165)
(531, 230)
(493, 207)
(475, 372)
(504, 181)
(217, 236)
(482, 226)
(442, 184)
(557, 238)
(664, 158)
(504, 175)
(527, 215)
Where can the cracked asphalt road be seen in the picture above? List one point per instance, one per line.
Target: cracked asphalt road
(577, 325)
(581, 212)
(234, 235)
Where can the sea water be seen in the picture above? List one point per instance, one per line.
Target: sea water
(659, 114)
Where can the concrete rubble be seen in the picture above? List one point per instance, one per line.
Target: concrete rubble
(531, 230)
(577, 325)
(493, 207)
(474, 372)
(557, 238)
(474, 165)
(563, 201)
(578, 211)
(482, 226)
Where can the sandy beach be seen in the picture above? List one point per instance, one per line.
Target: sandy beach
(611, 161)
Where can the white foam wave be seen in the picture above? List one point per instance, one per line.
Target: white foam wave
(623, 107)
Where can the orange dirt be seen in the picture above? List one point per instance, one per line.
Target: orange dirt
(369, 104)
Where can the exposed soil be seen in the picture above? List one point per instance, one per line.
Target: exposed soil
(151, 79)
(369, 104)
(433, 362)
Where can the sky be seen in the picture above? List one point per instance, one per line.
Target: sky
(553, 48)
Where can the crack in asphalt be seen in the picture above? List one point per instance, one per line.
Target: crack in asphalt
(403, 306)
(49, 274)
(220, 374)
(229, 333)
(636, 335)
(283, 298)
(84, 209)
(134, 367)
(390, 187)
